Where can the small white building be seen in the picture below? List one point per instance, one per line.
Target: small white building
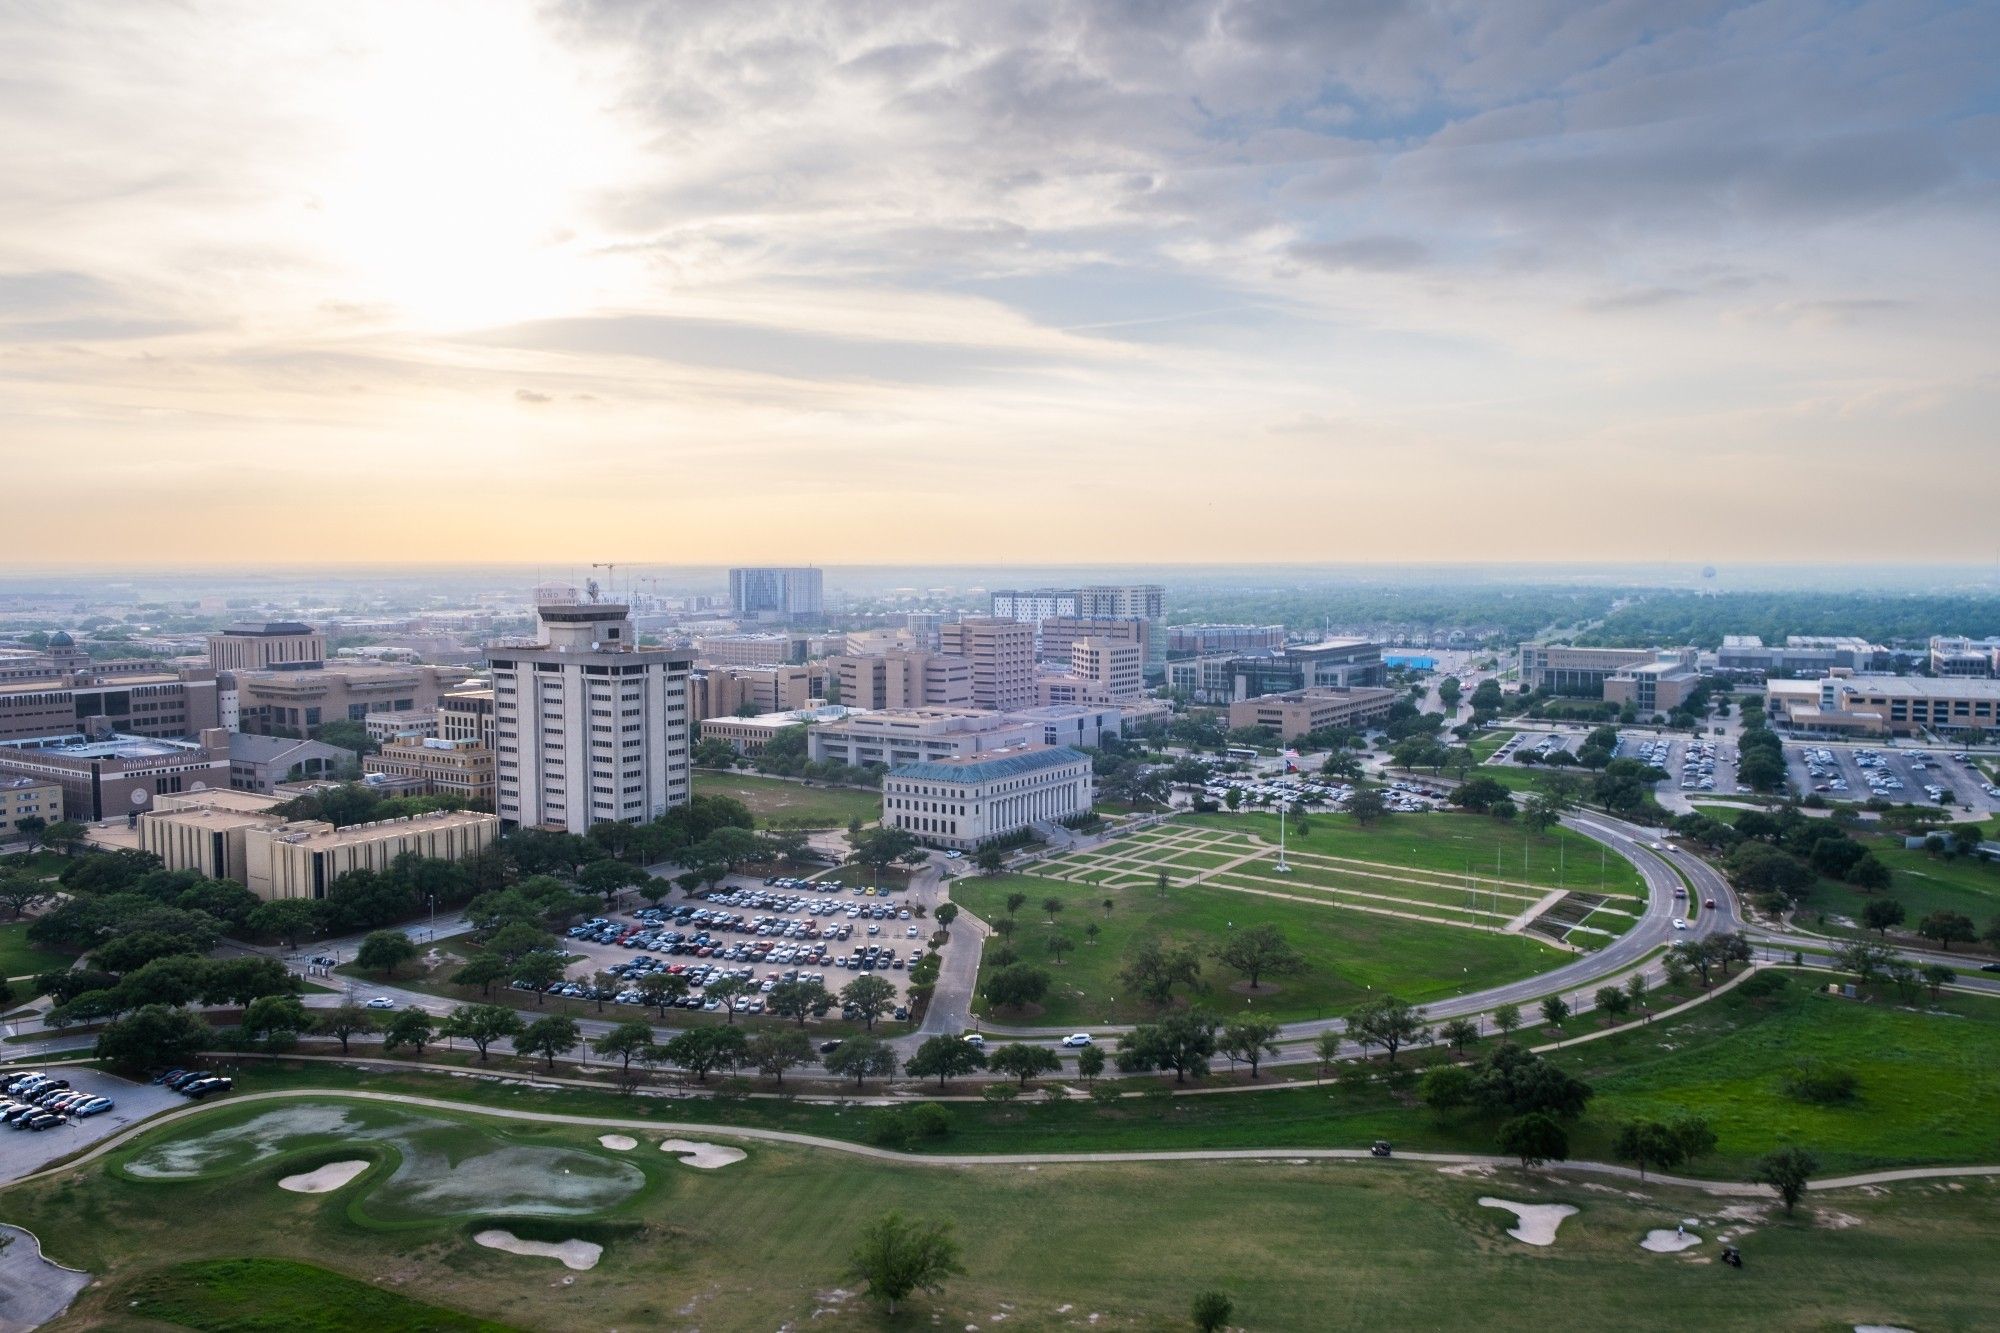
(964, 802)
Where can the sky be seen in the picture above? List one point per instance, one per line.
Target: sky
(901, 282)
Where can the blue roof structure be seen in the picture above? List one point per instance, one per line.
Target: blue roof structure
(990, 768)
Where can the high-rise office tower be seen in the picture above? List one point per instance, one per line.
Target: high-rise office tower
(1002, 654)
(589, 727)
(772, 594)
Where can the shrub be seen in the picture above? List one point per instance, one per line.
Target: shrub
(1762, 985)
(1822, 1084)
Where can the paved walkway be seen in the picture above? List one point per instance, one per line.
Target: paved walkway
(1721, 1188)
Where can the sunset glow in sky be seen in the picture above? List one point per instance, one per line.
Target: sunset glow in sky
(882, 282)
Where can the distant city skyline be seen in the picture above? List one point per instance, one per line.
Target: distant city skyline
(997, 284)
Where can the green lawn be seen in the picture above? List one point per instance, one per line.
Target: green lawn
(1450, 842)
(1922, 883)
(763, 1244)
(18, 958)
(777, 801)
(1349, 955)
(1484, 745)
(1929, 1094)
(45, 863)
(284, 1296)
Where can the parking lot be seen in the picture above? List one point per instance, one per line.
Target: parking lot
(760, 932)
(1871, 772)
(1695, 766)
(1293, 790)
(23, 1151)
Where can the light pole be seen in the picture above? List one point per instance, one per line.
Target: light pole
(1281, 867)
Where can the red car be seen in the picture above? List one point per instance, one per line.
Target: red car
(1708, 903)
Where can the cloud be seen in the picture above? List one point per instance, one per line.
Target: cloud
(1385, 254)
(530, 396)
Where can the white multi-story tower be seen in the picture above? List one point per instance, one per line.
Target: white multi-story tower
(588, 726)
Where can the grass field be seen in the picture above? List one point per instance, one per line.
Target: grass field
(777, 801)
(1347, 952)
(1928, 1094)
(1922, 883)
(1484, 745)
(763, 1244)
(283, 1296)
(18, 958)
(1449, 843)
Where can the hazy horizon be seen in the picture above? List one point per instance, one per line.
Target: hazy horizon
(779, 282)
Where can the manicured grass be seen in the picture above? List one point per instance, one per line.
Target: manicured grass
(763, 1244)
(44, 863)
(18, 958)
(1449, 842)
(1922, 883)
(776, 801)
(283, 1296)
(1484, 745)
(1349, 955)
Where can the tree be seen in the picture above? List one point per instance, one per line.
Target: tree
(774, 1050)
(20, 892)
(1210, 1311)
(1386, 1022)
(1060, 943)
(1366, 806)
(1866, 961)
(1015, 902)
(1535, 1138)
(481, 1024)
(1458, 1033)
(540, 970)
(1555, 1009)
(1612, 1002)
(274, 1017)
(1647, 1142)
(1024, 1060)
(1878, 914)
(549, 1036)
(1692, 1135)
(1016, 986)
(1089, 1063)
(65, 836)
(869, 998)
(1053, 905)
(1326, 1050)
(661, 989)
(285, 919)
(153, 1036)
(1635, 990)
(726, 989)
(699, 1050)
(1869, 874)
(1541, 813)
(482, 970)
(945, 1056)
(1257, 951)
(411, 1027)
(896, 1257)
(1507, 1017)
(624, 1042)
(800, 1000)
(1249, 1041)
(1947, 928)
(1787, 1171)
(344, 1023)
(1153, 970)
(1514, 1081)
(862, 1057)
(1181, 1042)
(1446, 1088)
(990, 860)
(384, 951)
(946, 914)
(1937, 976)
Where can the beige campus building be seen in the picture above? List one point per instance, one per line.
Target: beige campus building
(721, 691)
(1563, 669)
(27, 798)
(963, 802)
(902, 678)
(1303, 712)
(910, 735)
(1058, 633)
(1002, 655)
(436, 767)
(1843, 704)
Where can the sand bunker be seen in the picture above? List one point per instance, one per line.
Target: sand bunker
(325, 1180)
(576, 1254)
(1538, 1221)
(621, 1142)
(707, 1156)
(1663, 1241)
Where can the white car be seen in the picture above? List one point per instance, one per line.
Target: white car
(1680, 924)
(1077, 1039)
(381, 1002)
(974, 1039)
